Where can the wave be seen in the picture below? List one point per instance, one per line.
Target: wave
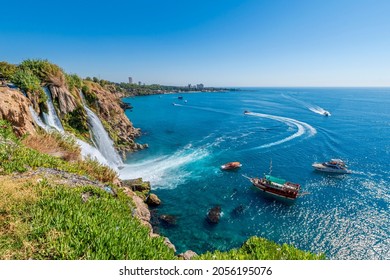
(303, 128)
(166, 171)
(314, 108)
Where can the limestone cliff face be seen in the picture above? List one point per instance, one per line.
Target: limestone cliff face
(14, 108)
(66, 101)
(108, 109)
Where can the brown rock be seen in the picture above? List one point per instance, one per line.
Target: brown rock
(14, 108)
(188, 255)
(137, 185)
(141, 211)
(153, 200)
(66, 101)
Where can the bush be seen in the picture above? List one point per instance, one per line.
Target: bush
(257, 248)
(73, 81)
(47, 72)
(7, 70)
(77, 119)
(26, 80)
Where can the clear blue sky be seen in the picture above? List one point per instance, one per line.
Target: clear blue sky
(215, 42)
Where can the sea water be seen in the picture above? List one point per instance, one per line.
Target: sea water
(343, 216)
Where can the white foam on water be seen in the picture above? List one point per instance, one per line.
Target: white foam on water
(314, 108)
(166, 171)
(303, 128)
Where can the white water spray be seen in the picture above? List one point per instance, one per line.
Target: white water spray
(314, 108)
(100, 137)
(301, 126)
(52, 119)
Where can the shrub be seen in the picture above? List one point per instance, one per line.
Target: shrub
(7, 70)
(73, 81)
(257, 248)
(77, 119)
(47, 72)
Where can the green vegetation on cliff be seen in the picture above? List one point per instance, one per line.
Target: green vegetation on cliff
(257, 248)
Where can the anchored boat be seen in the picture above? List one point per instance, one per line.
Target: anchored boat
(277, 186)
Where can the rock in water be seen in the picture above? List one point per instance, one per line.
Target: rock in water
(214, 215)
(153, 200)
(167, 220)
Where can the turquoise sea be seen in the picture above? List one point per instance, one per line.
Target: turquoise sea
(344, 216)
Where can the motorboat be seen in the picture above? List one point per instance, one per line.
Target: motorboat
(231, 165)
(326, 113)
(332, 166)
(246, 112)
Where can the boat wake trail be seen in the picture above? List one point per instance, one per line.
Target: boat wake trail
(303, 128)
(166, 171)
(314, 108)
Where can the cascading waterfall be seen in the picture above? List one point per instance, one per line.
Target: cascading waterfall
(51, 122)
(100, 137)
(51, 119)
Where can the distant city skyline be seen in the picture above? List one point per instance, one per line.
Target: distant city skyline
(218, 43)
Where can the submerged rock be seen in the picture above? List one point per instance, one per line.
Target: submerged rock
(214, 215)
(167, 220)
(238, 211)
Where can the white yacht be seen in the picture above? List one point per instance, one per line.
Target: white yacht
(332, 166)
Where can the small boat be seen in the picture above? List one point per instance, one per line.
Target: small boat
(231, 165)
(326, 113)
(332, 166)
(277, 186)
(246, 112)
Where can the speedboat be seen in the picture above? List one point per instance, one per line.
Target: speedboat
(326, 113)
(332, 166)
(246, 112)
(231, 165)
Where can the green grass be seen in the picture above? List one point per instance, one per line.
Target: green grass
(257, 248)
(56, 224)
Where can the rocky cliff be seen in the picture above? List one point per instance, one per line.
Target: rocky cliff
(121, 130)
(14, 108)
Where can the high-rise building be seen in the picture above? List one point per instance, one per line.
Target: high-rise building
(130, 80)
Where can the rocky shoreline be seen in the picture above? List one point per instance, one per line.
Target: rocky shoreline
(139, 191)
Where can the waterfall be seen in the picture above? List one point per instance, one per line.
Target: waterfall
(52, 122)
(100, 137)
(38, 120)
(52, 119)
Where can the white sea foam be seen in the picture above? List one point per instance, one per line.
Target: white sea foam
(166, 171)
(303, 128)
(314, 108)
